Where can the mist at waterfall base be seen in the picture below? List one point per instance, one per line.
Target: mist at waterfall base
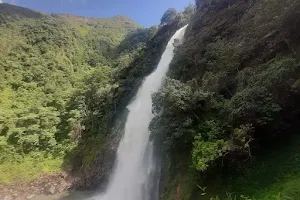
(136, 173)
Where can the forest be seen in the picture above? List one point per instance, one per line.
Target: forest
(58, 76)
(64, 79)
(226, 119)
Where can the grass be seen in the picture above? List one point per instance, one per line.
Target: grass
(28, 169)
(273, 174)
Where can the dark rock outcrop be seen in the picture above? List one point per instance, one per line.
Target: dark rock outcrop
(97, 174)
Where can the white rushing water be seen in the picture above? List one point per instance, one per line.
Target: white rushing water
(136, 173)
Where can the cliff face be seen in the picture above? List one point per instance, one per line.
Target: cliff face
(256, 30)
(237, 42)
(233, 89)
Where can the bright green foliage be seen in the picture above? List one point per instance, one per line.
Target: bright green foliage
(208, 145)
(56, 86)
(206, 152)
(63, 80)
(26, 168)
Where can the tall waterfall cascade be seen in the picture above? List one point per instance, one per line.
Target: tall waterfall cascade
(136, 171)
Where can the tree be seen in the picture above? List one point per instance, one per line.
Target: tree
(169, 15)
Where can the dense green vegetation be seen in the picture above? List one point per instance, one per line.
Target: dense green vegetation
(226, 119)
(57, 83)
(64, 79)
(232, 89)
(271, 174)
(264, 177)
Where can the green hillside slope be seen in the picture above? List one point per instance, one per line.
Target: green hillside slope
(48, 66)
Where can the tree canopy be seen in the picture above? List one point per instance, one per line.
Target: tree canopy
(56, 83)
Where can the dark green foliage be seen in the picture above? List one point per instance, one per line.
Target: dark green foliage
(169, 15)
(135, 65)
(271, 174)
(134, 40)
(233, 85)
(64, 79)
(11, 13)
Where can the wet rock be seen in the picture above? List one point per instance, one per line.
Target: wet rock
(51, 190)
(97, 174)
(44, 185)
(30, 196)
(8, 198)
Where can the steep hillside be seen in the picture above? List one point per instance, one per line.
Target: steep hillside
(65, 83)
(11, 13)
(232, 92)
(51, 68)
(139, 54)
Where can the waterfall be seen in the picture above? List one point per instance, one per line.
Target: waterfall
(136, 173)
